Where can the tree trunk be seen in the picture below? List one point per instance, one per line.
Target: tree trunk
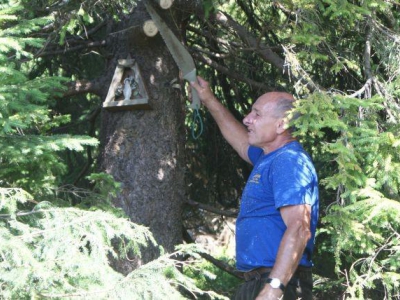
(144, 149)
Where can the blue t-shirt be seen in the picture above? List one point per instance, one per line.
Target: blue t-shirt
(280, 178)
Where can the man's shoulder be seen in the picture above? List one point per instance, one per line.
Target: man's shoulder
(293, 150)
(254, 153)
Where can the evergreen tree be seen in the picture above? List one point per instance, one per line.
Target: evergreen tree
(29, 151)
(50, 249)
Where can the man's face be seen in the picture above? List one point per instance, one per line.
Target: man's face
(262, 124)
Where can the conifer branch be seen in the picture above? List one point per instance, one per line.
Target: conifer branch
(367, 51)
(363, 89)
(20, 214)
(266, 53)
(232, 74)
(216, 262)
(87, 45)
(221, 265)
(85, 86)
(212, 209)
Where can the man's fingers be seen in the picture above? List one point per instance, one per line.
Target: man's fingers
(201, 81)
(202, 88)
(195, 85)
(201, 84)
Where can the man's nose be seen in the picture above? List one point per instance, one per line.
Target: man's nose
(247, 120)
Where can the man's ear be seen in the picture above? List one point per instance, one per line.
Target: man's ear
(282, 125)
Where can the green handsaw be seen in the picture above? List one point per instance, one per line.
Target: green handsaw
(180, 54)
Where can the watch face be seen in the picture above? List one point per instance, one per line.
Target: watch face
(275, 283)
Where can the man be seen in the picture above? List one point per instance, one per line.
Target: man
(275, 229)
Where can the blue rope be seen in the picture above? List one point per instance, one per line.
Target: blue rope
(197, 124)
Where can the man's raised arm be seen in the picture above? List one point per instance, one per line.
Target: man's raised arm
(232, 130)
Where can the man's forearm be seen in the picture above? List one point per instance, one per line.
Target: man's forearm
(232, 130)
(297, 219)
(288, 258)
(289, 255)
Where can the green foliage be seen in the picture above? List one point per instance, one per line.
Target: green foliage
(18, 194)
(65, 252)
(32, 162)
(73, 17)
(60, 250)
(360, 149)
(209, 7)
(208, 277)
(363, 222)
(29, 151)
(365, 236)
(59, 241)
(13, 31)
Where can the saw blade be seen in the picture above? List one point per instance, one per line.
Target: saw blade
(180, 54)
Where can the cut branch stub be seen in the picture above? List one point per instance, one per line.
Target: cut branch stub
(149, 28)
(165, 4)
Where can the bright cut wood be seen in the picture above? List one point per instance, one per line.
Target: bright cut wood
(149, 28)
(165, 4)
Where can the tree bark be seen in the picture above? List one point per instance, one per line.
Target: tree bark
(144, 149)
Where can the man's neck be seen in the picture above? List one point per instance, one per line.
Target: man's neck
(278, 144)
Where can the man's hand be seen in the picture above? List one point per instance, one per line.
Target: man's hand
(268, 293)
(203, 89)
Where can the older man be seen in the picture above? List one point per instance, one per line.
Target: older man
(275, 229)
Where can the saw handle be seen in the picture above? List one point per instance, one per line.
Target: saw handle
(191, 76)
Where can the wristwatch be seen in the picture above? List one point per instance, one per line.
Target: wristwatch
(275, 283)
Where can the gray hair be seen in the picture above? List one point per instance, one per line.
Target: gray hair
(283, 106)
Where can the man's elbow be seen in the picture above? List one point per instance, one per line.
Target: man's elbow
(301, 231)
(304, 233)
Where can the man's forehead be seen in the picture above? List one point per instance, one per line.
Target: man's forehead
(274, 96)
(264, 102)
(270, 99)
